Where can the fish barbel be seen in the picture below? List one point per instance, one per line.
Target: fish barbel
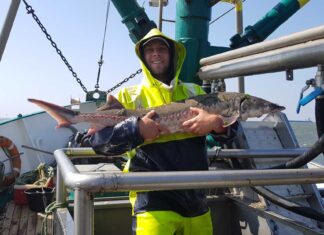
(231, 106)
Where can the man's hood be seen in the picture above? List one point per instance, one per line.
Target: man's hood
(178, 58)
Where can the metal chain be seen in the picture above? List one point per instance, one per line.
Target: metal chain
(30, 10)
(125, 80)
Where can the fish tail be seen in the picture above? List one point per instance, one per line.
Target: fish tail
(63, 116)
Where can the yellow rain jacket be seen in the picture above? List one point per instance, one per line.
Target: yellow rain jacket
(174, 152)
(151, 92)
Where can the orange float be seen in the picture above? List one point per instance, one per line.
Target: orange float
(12, 152)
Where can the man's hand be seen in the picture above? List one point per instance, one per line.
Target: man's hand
(91, 131)
(203, 123)
(149, 129)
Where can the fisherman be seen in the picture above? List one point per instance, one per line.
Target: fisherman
(171, 211)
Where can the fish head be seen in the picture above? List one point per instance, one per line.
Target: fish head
(252, 106)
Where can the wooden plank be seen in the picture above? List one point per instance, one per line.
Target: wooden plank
(15, 221)
(20, 220)
(50, 224)
(23, 220)
(8, 218)
(32, 221)
(40, 218)
(2, 217)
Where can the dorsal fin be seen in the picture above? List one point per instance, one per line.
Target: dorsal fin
(112, 103)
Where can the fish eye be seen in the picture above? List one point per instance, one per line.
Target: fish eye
(242, 106)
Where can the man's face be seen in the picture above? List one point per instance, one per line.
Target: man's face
(157, 57)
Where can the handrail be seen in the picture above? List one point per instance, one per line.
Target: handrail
(221, 154)
(85, 183)
(94, 182)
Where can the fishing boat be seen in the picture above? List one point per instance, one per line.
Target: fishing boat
(260, 184)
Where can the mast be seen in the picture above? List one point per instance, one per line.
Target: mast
(7, 26)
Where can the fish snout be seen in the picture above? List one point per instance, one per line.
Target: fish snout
(275, 108)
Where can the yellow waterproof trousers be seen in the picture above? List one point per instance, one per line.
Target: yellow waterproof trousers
(171, 223)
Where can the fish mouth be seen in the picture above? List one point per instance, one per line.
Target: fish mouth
(276, 108)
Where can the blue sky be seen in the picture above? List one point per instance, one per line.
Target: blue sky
(30, 68)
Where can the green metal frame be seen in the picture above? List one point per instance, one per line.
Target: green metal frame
(134, 17)
(192, 28)
(268, 24)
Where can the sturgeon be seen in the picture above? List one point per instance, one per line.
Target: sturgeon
(231, 106)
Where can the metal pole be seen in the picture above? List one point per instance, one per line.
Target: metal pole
(239, 30)
(7, 26)
(37, 149)
(60, 188)
(319, 102)
(289, 40)
(293, 57)
(83, 213)
(256, 153)
(160, 14)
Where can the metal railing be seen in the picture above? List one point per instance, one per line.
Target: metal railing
(84, 184)
(255, 153)
(300, 50)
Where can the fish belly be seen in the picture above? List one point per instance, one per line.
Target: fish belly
(172, 122)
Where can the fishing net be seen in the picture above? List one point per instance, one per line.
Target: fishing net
(40, 176)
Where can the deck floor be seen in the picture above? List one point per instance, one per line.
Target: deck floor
(20, 220)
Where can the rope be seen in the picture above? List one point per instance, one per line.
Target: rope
(103, 46)
(222, 15)
(52, 207)
(38, 176)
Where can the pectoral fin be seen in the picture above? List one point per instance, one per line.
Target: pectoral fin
(112, 103)
(227, 121)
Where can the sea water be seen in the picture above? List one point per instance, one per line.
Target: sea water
(306, 134)
(4, 119)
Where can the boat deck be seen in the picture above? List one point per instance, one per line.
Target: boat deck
(20, 220)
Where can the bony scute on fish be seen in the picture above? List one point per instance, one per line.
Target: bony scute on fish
(231, 106)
